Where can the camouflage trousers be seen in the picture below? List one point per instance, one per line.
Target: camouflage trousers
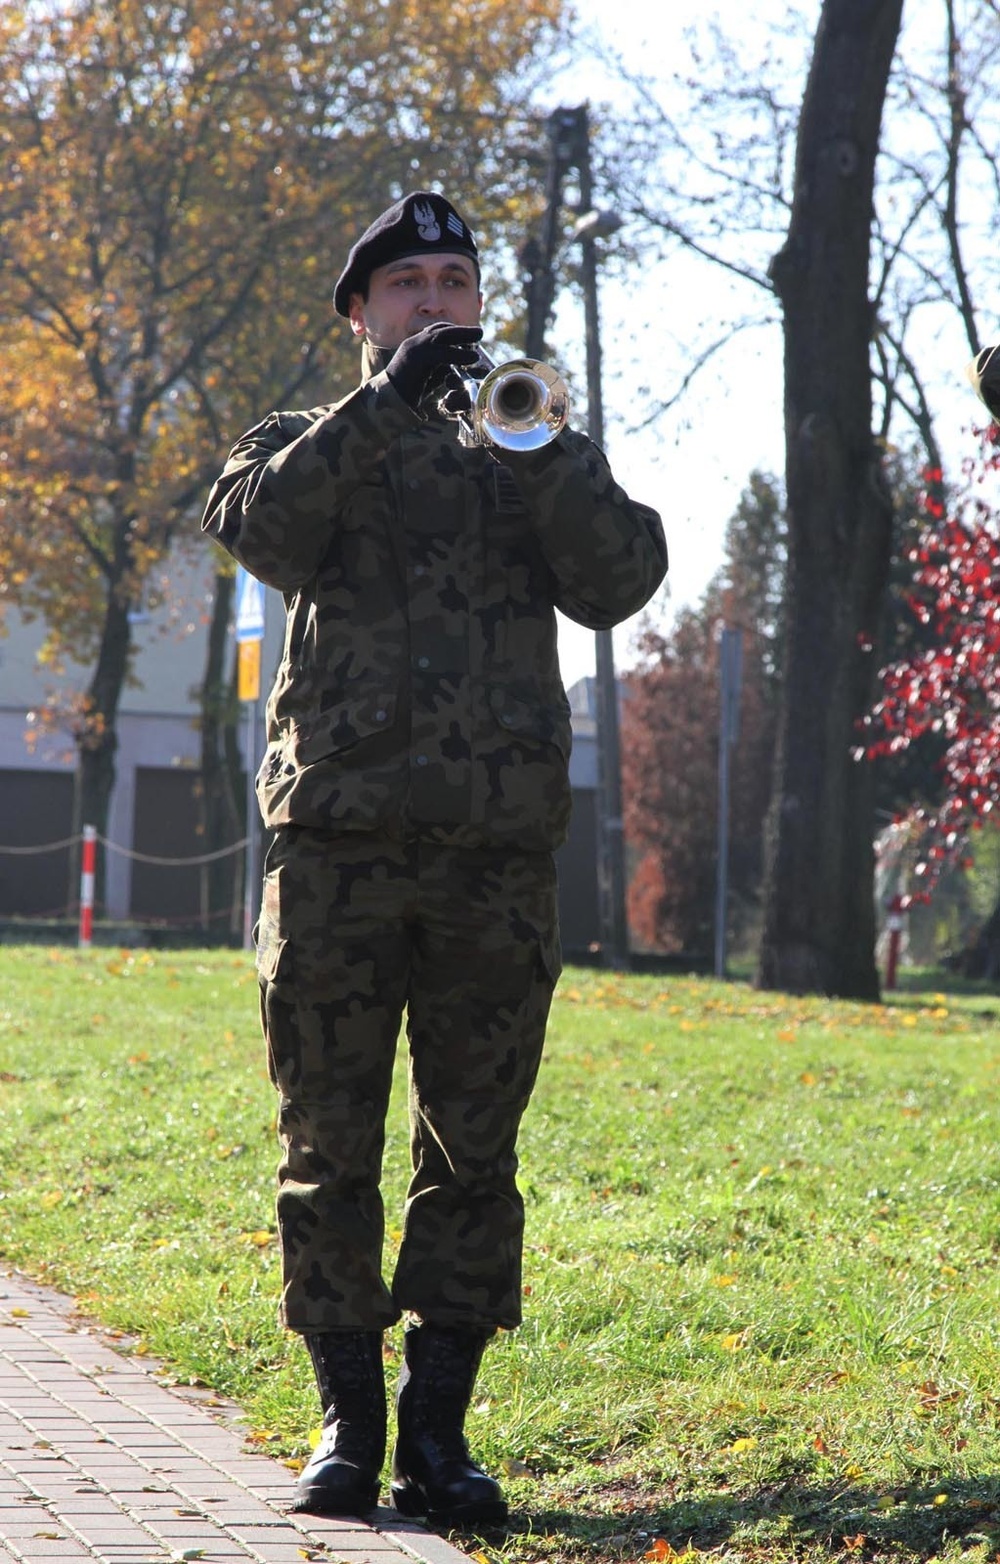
(354, 931)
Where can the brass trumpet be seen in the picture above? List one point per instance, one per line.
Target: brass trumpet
(518, 406)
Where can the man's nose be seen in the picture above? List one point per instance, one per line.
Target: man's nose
(433, 301)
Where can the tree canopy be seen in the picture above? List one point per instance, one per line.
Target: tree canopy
(950, 685)
(180, 185)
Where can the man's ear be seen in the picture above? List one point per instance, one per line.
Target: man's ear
(356, 309)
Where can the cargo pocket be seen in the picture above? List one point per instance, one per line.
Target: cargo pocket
(267, 935)
(365, 715)
(533, 714)
(278, 1018)
(550, 954)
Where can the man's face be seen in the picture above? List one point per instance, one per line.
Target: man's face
(409, 294)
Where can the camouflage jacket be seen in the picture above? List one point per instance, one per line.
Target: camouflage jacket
(419, 689)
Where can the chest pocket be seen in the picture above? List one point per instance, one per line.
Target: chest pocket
(360, 717)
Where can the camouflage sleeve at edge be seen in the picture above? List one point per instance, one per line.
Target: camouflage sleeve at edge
(607, 553)
(285, 480)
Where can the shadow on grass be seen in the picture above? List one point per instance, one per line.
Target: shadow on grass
(942, 980)
(911, 1523)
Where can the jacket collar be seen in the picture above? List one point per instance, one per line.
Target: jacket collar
(373, 360)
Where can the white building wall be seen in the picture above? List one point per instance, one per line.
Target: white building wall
(159, 707)
(158, 716)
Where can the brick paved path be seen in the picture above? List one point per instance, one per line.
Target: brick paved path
(99, 1461)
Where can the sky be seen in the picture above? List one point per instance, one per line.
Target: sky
(694, 464)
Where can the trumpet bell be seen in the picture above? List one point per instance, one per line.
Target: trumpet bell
(520, 406)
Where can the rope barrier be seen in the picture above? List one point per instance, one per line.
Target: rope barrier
(47, 847)
(88, 865)
(169, 863)
(70, 912)
(128, 852)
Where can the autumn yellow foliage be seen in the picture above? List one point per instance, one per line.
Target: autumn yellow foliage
(179, 185)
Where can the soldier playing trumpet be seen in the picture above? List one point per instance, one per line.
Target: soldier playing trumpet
(416, 784)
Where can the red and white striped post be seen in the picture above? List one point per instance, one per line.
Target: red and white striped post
(88, 866)
(894, 924)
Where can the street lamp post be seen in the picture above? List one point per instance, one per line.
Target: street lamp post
(610, 824)
(569, 147)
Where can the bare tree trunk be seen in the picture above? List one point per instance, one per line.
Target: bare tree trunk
(819, 925)
(97, 738)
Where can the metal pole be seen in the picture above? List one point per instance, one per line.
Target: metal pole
(722, 849)
(88, 874)
(252, 870)
(610, 825)
(730, 678)
(562, 129)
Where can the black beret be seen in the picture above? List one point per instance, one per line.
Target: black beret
(418, 224)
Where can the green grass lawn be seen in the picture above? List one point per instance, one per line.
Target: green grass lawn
(762, 1280)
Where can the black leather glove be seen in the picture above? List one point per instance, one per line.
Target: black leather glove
(422, 362)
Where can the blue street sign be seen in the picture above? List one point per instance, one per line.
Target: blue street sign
(249, 606)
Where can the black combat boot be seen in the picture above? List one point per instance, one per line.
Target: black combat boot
(342, 1474)
(432, 1471)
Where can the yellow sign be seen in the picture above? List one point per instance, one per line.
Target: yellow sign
(248, 670)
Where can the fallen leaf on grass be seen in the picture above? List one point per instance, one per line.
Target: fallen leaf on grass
(735, 1341)
(931, 1395)
(661, 1549)
(260, 1239)
(856, 1543)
